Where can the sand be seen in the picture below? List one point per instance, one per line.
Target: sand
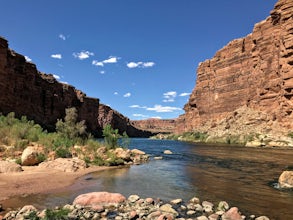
(35, 180)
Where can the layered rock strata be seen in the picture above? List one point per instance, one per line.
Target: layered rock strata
(156, 125)
(26, 91)
(254, 72)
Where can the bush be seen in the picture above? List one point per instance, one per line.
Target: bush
(60, 214)
(290, 134)
(110, 137)
(18, 132)
(63, 152)
(99, 161)
(70, 128)
(113, 160)
(125, 141)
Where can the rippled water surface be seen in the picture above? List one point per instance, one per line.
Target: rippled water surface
(241, 176)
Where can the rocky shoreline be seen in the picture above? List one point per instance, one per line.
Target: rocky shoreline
(105, 205)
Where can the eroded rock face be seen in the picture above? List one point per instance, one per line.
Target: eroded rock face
(156, 125)
(254, 72)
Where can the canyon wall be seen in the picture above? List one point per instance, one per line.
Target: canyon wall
(109, 116)
(253, 74)
(26, 91)
(156, 125)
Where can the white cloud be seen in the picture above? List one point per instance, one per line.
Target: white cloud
(83, 55)
(56, 56)
(148, 64)
(127, 95)
(57, 77)
(140, 64)
(159, 108)
(137, 106)
(102, 72)
(141, 115)
(116, 93)
(97, 63)
(133, 64)
(169, 96)
(156, 117)
(184, 94)
(28, 59)
(62, 37)
(111, 59)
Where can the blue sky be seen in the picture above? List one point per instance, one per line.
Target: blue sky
(137, 56)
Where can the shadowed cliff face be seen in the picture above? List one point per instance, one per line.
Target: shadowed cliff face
(254, 72)
(26, 91)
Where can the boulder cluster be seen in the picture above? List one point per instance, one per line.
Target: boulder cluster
(105, 205)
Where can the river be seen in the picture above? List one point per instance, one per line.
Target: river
(244, 177)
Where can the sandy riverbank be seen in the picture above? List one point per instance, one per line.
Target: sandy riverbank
(35, 179)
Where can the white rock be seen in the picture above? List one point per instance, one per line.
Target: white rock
(168, 152)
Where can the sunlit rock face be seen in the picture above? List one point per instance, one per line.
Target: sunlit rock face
(254, 72)
(156, 125)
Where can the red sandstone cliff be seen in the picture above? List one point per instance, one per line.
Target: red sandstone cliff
(156, 125)
(249, 80)
(118, 121)
(26, 91)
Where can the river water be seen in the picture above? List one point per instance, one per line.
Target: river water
(244, 177)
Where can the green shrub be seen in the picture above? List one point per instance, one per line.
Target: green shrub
(93, 145)
(110, 137)
(18, 161)
(60, 214)
(99, 161)
(41, 157)
(61, 141)
(70, 128)
(125, 141)
(63, 152)
(113, 160)
(21, 144)
(32, 216)
(290, 134)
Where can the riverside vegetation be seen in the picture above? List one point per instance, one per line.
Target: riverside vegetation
(69, 140)
(250, 140)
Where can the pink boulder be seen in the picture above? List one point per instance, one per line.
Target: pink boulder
(232, 214)
(95, 199)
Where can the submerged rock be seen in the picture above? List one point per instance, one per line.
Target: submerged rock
(168, 152)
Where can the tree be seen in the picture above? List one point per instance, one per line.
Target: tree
(70, 128)
(110, 136)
